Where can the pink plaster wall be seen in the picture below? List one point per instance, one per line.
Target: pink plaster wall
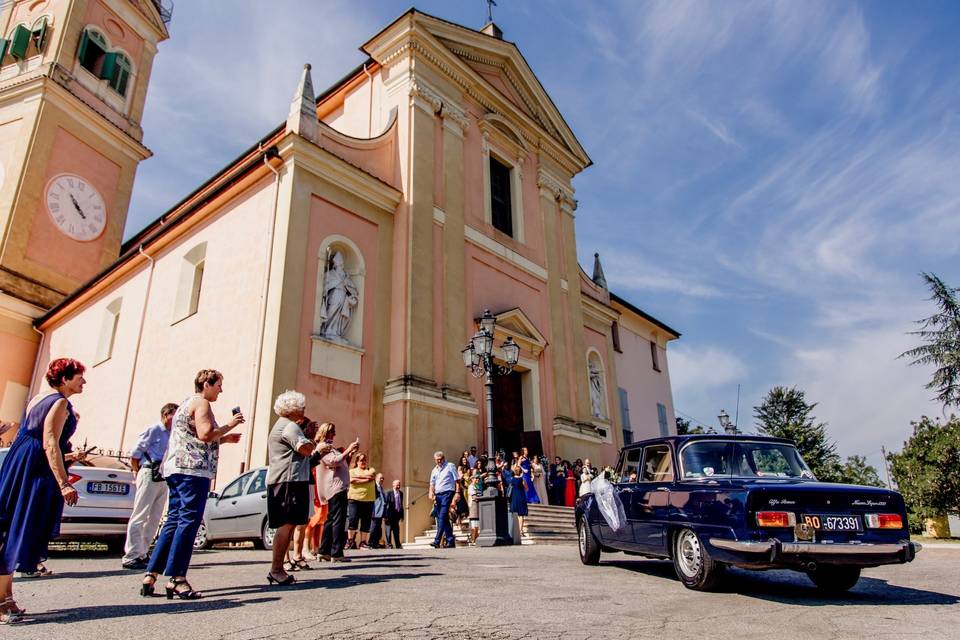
(348, 405)
(47, 246)
(645, 386)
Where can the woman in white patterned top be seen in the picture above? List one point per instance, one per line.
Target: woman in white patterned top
(189, 466)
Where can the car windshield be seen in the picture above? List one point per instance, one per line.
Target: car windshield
(742, 459)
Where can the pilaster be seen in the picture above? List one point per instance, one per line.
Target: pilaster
(455, 314)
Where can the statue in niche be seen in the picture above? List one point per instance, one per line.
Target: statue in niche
(340, 300)
(596, 391)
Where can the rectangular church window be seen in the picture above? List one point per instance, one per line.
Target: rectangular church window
(500, 199)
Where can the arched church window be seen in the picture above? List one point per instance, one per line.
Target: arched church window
(191, 282)
(338, 313)
(25, 41)
(116, 70)
(92, 51)
(596, 378)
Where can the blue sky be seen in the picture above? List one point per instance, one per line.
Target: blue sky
(769, 177)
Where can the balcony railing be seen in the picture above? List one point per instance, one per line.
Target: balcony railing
(164, 9)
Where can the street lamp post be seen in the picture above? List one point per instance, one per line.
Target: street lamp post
(478, 358)
(728, 427)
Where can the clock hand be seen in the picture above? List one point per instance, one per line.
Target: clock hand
(76, 205)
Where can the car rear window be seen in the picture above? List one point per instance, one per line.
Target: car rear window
(743, 460)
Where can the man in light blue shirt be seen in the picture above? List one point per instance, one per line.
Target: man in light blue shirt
(443, 484)
(151, 495)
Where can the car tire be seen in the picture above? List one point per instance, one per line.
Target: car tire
(266, 537)
(834, 579)
(201, 541)
(693, 564)
(588, 545)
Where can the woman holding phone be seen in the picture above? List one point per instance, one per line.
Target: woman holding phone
(189, 466)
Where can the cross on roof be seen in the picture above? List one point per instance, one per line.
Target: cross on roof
(490, 5)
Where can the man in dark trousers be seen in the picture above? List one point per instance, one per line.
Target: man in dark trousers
(394, 515)
(379, 511)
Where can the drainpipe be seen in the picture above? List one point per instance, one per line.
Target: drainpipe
(136, 350)
(264, 291)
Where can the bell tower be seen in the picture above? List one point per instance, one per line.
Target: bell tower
(73, 82)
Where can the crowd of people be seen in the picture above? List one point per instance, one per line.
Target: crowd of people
(522, 478)
(320, 497)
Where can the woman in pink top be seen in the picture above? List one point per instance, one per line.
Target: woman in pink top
(333, 480)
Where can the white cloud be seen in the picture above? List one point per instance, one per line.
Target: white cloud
(694, 370)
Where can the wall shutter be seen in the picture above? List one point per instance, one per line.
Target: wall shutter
(40, 33)
(84, 41)
(4, 43)
(662, 418)
(109, 65)
(21, 40)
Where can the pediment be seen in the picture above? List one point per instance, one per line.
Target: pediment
(490, 70)
(515, 324)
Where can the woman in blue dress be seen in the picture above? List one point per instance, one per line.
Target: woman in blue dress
(33, 479)
(526, 467)
(518, 497)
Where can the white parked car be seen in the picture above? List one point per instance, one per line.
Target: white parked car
(238, 513)
(106, 489)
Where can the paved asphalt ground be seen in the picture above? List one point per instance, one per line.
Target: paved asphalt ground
(528, 592)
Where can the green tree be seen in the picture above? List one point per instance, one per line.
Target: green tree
(941, 336)
(927, 470)
(785, 413)
(857, 471)
(685, 427)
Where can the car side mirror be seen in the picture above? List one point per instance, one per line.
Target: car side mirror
(213, 494)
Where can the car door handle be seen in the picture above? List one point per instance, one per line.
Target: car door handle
(233, 502)
(626, 490)
(263, 497)
(663, 489)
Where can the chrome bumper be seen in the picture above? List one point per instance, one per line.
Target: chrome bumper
(815, 548)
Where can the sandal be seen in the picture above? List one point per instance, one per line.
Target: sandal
(148, 584)
(290, 565)
(285, 582)
(301, 563)
(183, 594)
(13, 614)
(41, 572)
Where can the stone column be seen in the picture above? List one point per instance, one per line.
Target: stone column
(557, 349)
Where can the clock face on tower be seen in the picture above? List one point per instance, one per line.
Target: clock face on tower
(75, 207)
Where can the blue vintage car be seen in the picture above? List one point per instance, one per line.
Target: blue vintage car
(709, 501)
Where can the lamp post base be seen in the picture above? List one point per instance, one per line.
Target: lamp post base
(493, 520)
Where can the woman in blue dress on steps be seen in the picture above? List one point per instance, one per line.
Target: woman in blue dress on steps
(518, 497)
(33, 479)
(526, 466)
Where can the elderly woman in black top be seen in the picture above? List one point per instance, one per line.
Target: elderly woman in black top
(288, 490)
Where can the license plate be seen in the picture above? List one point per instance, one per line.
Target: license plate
(114, 488)
(832, 523)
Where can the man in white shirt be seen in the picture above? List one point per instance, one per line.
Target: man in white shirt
(443, 484)
(472, 458)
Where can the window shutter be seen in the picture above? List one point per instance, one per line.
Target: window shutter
(21, 40)
(40, 33)
(624, 408)
(120, 82)
(662, 415)
(84, 41)
(109, 65)
(4, 43)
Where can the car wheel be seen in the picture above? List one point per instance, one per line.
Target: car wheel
(201, 541)
(834, 579)
(589, 549)
(693, 564)
(266, 537)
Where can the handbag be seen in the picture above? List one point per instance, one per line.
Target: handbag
(156, 474)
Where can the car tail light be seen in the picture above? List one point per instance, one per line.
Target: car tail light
(883, 520)
(776, 519)
(72, 478)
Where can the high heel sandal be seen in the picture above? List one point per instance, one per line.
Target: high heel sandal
(147, 588)
(185, 594)
(286, 581)
(290, 566)
(13, 614)
(301, 564)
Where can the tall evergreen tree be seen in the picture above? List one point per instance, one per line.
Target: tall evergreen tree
(941, 335)
(785, 413)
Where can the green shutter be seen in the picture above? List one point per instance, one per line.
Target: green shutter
(109, 65)
(4, 43)
(40, 34)
(84, 41)
(21, 40)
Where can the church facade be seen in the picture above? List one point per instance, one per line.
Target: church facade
(349, 254)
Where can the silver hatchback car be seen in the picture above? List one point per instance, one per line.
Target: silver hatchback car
(238, 513)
